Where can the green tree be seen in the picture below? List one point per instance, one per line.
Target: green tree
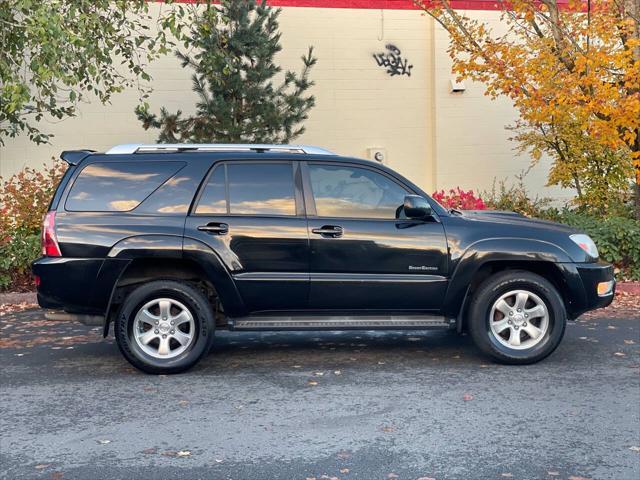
(55, 52)
(241, 98)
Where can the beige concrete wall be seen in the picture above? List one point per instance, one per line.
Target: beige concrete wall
(358, 104)
(436, 138)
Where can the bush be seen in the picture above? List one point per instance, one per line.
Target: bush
(457, 198)
(515, 198)
(24, 199)
(16, 255)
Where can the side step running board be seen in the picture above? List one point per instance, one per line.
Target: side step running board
(339, 322)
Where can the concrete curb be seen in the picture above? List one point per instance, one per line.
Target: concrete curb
(14, 298)
(629, 287)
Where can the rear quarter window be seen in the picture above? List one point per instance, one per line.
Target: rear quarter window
(117, 186)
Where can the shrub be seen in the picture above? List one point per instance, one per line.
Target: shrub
(457, 198)
(24, 199)
(516, 198)
(16, 255)
(25, 196)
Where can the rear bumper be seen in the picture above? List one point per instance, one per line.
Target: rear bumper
(77, 285)
(585, 280)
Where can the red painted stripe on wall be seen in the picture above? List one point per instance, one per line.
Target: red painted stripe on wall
(383, 4)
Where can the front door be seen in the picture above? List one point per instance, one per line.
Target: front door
(365, 254)
(252, 215)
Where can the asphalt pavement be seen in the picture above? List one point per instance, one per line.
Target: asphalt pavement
(320, 405)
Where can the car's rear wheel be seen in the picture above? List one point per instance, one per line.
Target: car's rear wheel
(165, 326)
(517, 317)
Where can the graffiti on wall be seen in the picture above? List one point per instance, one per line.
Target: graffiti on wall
(393, 62)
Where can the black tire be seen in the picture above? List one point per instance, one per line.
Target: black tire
(199, 308)
(500, 284)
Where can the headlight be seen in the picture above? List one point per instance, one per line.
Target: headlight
(585, 243)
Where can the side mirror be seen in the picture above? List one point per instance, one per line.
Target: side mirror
(417, 207)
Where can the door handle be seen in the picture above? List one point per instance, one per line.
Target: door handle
(217, 228)
(333, 231)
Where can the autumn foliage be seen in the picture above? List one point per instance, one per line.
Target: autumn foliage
(24, 199)
(574, 77)
(460, 199)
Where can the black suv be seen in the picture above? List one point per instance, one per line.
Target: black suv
(170, 242)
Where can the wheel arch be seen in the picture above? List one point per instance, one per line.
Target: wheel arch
(542, 258)
(196, 263)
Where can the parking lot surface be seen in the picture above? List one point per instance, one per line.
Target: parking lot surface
(321, 405)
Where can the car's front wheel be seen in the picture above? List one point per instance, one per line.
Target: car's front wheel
(517, 317)
(164, 326)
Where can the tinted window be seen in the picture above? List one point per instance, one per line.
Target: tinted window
(352, 192)
(117, 186)
(214, 199)
(253, 189)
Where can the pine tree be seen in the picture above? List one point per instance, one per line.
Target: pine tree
(241, 98)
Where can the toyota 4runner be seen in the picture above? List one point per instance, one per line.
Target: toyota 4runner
(170, 242)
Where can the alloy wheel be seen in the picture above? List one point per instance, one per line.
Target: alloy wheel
(519, 319)
(164, 328)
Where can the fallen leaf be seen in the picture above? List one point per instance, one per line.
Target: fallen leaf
(344, 470)
(218, 460)
(392, 475)
(297, 366)
(183, 402)
(104, 442)
(507, 475)
(388, 429)
(467, 397)
(319, 374)
(337, 372)
(620, 354)
(380, 363)
(184, 453)
(635, 449)
(629, 342)
(312, 383)
(611, 327)
(42, 466)
(57, 475)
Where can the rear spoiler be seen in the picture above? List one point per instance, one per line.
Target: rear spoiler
(74, 157)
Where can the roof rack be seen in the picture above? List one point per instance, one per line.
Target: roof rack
(215, 147)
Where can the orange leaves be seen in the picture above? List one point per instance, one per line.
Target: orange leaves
(25, 196)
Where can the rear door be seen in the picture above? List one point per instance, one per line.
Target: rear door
(251, 214)
(365, 254)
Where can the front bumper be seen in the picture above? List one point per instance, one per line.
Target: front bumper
(588, 276)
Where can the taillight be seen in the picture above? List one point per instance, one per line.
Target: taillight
(50, 247)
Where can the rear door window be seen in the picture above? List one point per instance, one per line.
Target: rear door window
(249, 189)
(117, 186)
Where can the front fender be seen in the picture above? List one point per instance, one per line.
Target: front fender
(495, 250)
